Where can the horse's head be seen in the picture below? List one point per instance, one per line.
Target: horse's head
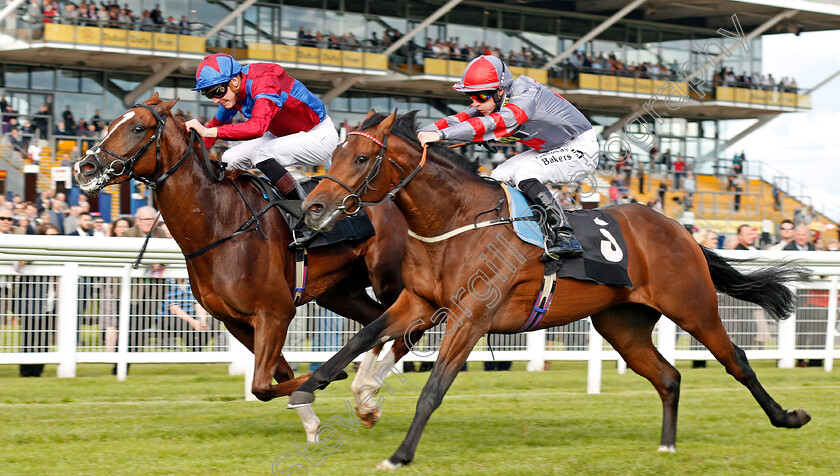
(370, 166)
(130, 149)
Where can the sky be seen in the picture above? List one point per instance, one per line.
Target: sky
(806, 145)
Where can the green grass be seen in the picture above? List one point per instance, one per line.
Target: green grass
(190, 419)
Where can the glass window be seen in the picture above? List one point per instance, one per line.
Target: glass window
(93, 82)
(341, 103)
(183, 90)
(292, 19)
(359, 103)
(16, 76)
(82, 106)
(403, 103)
(420, 105)
(42, 78)
(381, 103)
(68, 80)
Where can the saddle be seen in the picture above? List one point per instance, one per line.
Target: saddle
(350, 228)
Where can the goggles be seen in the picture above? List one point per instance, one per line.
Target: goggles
(214, 92)
(482, 96)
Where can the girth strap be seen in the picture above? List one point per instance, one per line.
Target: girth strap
(542, 304)
(301, 268)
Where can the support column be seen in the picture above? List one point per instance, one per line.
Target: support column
(348, 82)
(595, 32)
(169, 67)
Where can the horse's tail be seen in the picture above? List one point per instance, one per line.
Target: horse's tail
(764, 286)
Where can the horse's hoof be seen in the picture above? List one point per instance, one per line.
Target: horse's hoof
(300, 399)
(388, 465)
(368, 419)
(798, 418)
(667, 449)
(341, 376)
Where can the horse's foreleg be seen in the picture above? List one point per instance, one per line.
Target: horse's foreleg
(405, 313)
(628, 328)
(370, 376)
(454, 351)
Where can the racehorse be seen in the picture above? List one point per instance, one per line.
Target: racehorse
(246, 281)
(439, 192)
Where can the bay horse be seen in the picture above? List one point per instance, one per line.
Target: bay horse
(247, 281)
(439, 192)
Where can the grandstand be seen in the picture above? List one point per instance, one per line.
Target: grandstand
(611, 58)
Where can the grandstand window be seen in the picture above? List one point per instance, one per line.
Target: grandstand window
(708, 129)
(340, 103)
(15, 76)
(381, 103)
(466, 35)
(68, 81)
(183, 90)
(511, 20)
(420, 105)
(291, 19)
(547, 43)
(93, 82)
(359, 102)
(341, 23)
(465, 15)
(42, 78)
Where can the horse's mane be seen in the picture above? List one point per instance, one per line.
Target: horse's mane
(405, 127)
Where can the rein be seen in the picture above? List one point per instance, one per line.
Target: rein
(127, 164)
(127, 168)
(354, 196)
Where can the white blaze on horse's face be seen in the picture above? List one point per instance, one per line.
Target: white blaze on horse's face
(125, 118)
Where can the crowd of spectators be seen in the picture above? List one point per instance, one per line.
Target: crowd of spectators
(109, 15)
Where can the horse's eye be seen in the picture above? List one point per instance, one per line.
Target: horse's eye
(361, 159)
(138, 129)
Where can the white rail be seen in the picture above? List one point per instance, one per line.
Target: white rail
(78, 300)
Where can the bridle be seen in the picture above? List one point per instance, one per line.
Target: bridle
(126, 165)
(355, 196)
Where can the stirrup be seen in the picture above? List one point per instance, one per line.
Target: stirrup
(300, 241)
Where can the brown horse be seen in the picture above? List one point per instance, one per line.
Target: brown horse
(439, 191)
(246, 281)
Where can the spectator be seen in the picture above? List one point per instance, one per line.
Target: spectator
(183, 317)
(801, 240)
(786, 231)
(665, 160)
(144, 221)
(746, 237)
(184, 26)
(61, 129)
(7, 221)
(71, 221)
(99, 226)
(156, 16)
(35, 311)
(119, 227)
(690, 186)
(96, 121)
(663, 188)
(706, 237)
(69, 121)
(679, 172)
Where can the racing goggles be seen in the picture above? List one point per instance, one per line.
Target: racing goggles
(481, 96)
(214, 92)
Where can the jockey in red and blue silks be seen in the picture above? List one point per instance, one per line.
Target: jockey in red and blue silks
(563, 145)
(287, 124)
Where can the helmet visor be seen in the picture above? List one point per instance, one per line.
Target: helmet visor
(214, 92)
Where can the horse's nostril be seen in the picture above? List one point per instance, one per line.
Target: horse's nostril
(88, 167)
(316, 207)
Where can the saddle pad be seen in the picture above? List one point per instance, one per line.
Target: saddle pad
(604, 259)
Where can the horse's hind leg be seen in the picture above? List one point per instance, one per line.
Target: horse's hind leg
(628, 328)
(708, 329)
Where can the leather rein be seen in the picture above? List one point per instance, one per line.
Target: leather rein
(354, 196)
(210, 165)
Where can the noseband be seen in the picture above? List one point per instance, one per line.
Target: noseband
(354, 197)
(126, 165)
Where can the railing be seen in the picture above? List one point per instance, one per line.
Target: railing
(78, 300)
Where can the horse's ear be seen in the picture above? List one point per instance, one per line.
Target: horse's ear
(385, 126)
(368, 116)
(167, 105)
(153, 98)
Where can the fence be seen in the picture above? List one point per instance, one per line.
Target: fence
(78, 300)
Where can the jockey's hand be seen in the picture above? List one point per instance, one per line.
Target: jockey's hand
(426, 137)
(197, 126)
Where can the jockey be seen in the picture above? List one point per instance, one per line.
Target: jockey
(287, 124)
(563, 145)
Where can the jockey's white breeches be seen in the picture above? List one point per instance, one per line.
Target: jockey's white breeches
(313, 147)
(571, 162)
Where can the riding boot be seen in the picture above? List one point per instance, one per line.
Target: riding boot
(564, 244)
(280, 178)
